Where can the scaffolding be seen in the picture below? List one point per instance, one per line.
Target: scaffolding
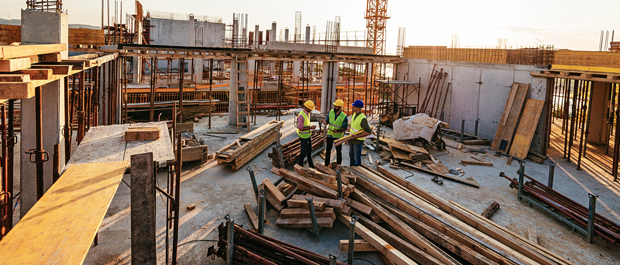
(45, 5)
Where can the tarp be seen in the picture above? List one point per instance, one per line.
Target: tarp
(416, 126)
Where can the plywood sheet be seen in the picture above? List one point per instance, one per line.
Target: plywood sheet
(512, 110)
(527, 128)
(62, 225)
(101, 144)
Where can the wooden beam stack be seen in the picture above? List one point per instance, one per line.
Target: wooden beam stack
(241, 151)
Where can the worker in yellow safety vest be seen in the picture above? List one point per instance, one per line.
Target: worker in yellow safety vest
(304, 130)
(337, 121)
(358, 123)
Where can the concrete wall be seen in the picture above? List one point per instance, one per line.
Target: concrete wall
(598, 118)
(180, 32)
(276, 45)
(478, 91)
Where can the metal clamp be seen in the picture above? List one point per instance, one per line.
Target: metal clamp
(31, 152)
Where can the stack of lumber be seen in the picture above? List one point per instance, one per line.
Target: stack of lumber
(321, 186)
(86, 36)
(419, 227)
(10, 34)
(241, 151)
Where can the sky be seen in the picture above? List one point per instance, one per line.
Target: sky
(566, 24)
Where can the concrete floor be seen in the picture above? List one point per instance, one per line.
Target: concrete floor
(217, 190)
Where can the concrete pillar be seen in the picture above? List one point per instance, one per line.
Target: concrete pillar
(296, 68)
(42, 28)
(598, 118)
(307, 34)
(286, 35)
(328, 85)
(198, 69)
(256, 29)
(137, 61)
(272, 36)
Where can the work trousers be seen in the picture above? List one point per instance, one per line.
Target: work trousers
(355, 155)
(306, 151)
(328, 152)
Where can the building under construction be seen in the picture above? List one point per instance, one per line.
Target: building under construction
(165, 138)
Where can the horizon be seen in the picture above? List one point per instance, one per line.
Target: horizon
(522, 26)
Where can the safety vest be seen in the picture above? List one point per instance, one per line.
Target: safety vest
(335, 124)
(303, 134)
(356, 125)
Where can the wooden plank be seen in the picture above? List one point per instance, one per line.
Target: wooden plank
(273, 190)
(260, 130)
(490, 211)
(322, 168)
(10, 65)
(532, 235)
(445, 176)
(304, 222)
(37, 74)
(359, 245)
(333, 203)
(438, 167)
(56, 69)
(61, 226)
(477, 163)
(314, 174)
(318, 206)
(597, 69)
(251, 214)
(397, 153)
(410, 234)
(161, 148)
(14, 78)
(512, 110)
(527, 128)
(305, 213)
(14, 51)
(359, 207)
(414, 206)
(16, 90)
(379, 243)
(439, 238)
(50, 58)
(305, 184)
(142, 134)
(271, 200)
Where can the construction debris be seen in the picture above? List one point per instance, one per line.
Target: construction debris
(491, 210)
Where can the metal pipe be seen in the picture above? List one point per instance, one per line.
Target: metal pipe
(521, 173)
(589, 115)
(67, 131)
(80, 136)
(11, 138)
(261, 211)
(230, 237)
(591, 216)
(315, 225)
(572, 123)
(476, 128)
(56, 163)
(39, 152)
(462, 129)
(254, 184)
(181, 81)
(4, 191)
(177, 198)
(551, 174)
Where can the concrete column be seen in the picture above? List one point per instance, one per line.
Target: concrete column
(328, 85)
(42, 28)
(307, 34)
(286, 35)
(234, 88)
(137, 65)
(272, 36)
(598, 119)
(256, 29)
(198, 69)
(192, 31)
(296, 68)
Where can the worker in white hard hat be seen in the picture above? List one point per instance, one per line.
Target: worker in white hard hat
(338, 123)
(304, 130)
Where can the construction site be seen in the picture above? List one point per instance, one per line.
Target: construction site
(177, 138)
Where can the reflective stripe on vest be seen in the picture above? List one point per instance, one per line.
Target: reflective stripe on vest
(333, 121)
(356, 124)
(303, 134)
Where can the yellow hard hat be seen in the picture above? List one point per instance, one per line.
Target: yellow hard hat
(339, 103)
(309, 104)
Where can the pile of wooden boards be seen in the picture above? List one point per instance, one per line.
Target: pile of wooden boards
(291, 150)
(241, 151)
(416, 226)
(517, 126)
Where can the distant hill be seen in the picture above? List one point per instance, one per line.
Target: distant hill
(19, 22)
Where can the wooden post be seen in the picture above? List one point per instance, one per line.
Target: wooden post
(143, 234)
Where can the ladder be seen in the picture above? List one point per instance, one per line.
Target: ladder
(243, 97)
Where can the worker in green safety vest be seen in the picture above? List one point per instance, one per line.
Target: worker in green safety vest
(304, 130)
(337, 121)
(358, 123)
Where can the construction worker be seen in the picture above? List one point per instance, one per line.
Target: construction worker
(337, 121)
(358, 123)
(304, 130)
